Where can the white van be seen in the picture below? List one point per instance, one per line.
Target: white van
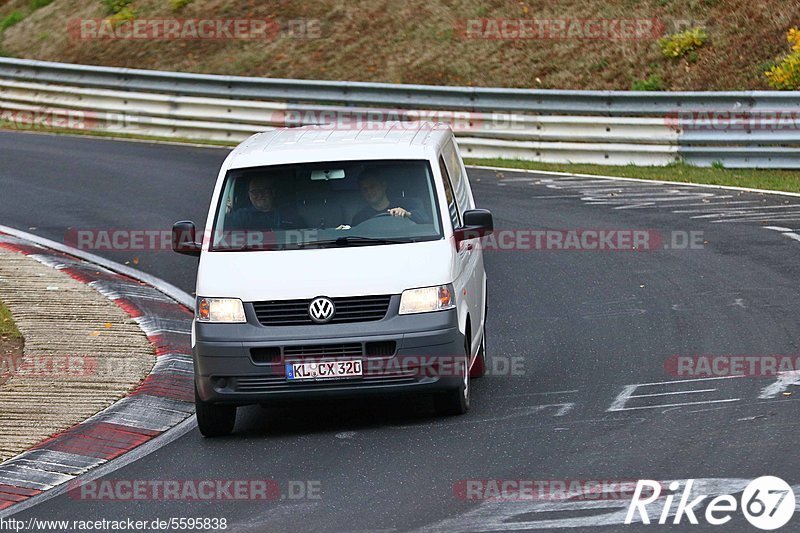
(336, 263)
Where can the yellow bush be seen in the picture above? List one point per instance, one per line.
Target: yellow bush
(126, 14)
(793, 36)
(786, 75)
(680, 44)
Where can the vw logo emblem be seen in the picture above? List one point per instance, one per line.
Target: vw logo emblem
(321, 310)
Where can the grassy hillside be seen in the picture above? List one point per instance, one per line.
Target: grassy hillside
(419, 41)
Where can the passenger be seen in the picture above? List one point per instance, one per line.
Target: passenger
(264, 212)
(373, 189)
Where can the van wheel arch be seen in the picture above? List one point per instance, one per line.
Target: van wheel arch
(457, 401)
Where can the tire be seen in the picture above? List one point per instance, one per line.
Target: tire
(455, 402)
(478, 369)
(214, 420)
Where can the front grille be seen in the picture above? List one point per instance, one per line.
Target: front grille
(270, 354)
(295, 312)
(354, 349)
(273, 354)
(278, 383)
(380, 348)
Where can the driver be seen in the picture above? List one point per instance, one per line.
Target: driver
(373, 189)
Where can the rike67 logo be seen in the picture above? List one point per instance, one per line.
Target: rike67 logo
(767, 502)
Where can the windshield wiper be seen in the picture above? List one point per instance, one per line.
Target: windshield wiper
(245, 248)
(351, 240)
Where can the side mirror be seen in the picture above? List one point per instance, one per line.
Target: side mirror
(183, 239)
(477, 223)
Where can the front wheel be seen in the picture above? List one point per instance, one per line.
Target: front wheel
(455, 401)
(214, 420)
(478, 369)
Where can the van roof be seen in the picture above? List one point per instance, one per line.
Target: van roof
(385, 140)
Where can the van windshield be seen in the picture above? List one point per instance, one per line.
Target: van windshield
(328, 204)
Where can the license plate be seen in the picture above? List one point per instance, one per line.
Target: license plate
(323, 370)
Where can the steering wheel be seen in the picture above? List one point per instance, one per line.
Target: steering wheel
(379, 220)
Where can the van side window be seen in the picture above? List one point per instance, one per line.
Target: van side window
(454, 167)
(452, 206)
(453, 163)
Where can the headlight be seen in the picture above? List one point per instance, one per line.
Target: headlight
(220, 310)
(427, 299)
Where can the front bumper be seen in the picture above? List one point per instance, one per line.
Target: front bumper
(230, 366)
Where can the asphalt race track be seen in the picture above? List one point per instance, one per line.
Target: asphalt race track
(588, 334)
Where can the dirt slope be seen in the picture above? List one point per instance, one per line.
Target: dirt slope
(421, 41)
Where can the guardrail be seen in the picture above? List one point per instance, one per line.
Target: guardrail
(737, 129)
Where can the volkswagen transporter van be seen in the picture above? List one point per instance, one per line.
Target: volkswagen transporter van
(338, 263)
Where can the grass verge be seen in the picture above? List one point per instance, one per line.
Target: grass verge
(7, 327)
(777, 180)
(6, 126)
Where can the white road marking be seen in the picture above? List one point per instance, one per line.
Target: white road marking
(761, 218)
(565, 408)
(747, 209)
(668, 194)
(689, 380)
(710, 206)
(619, 402)
(713, 206)
(629, 198)
(677, 404)
(591, 184)
(749, 212)
(644, 203)
(632, 193)
(566, 176)
(784, 381)
(670, 393)
(627, 393)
